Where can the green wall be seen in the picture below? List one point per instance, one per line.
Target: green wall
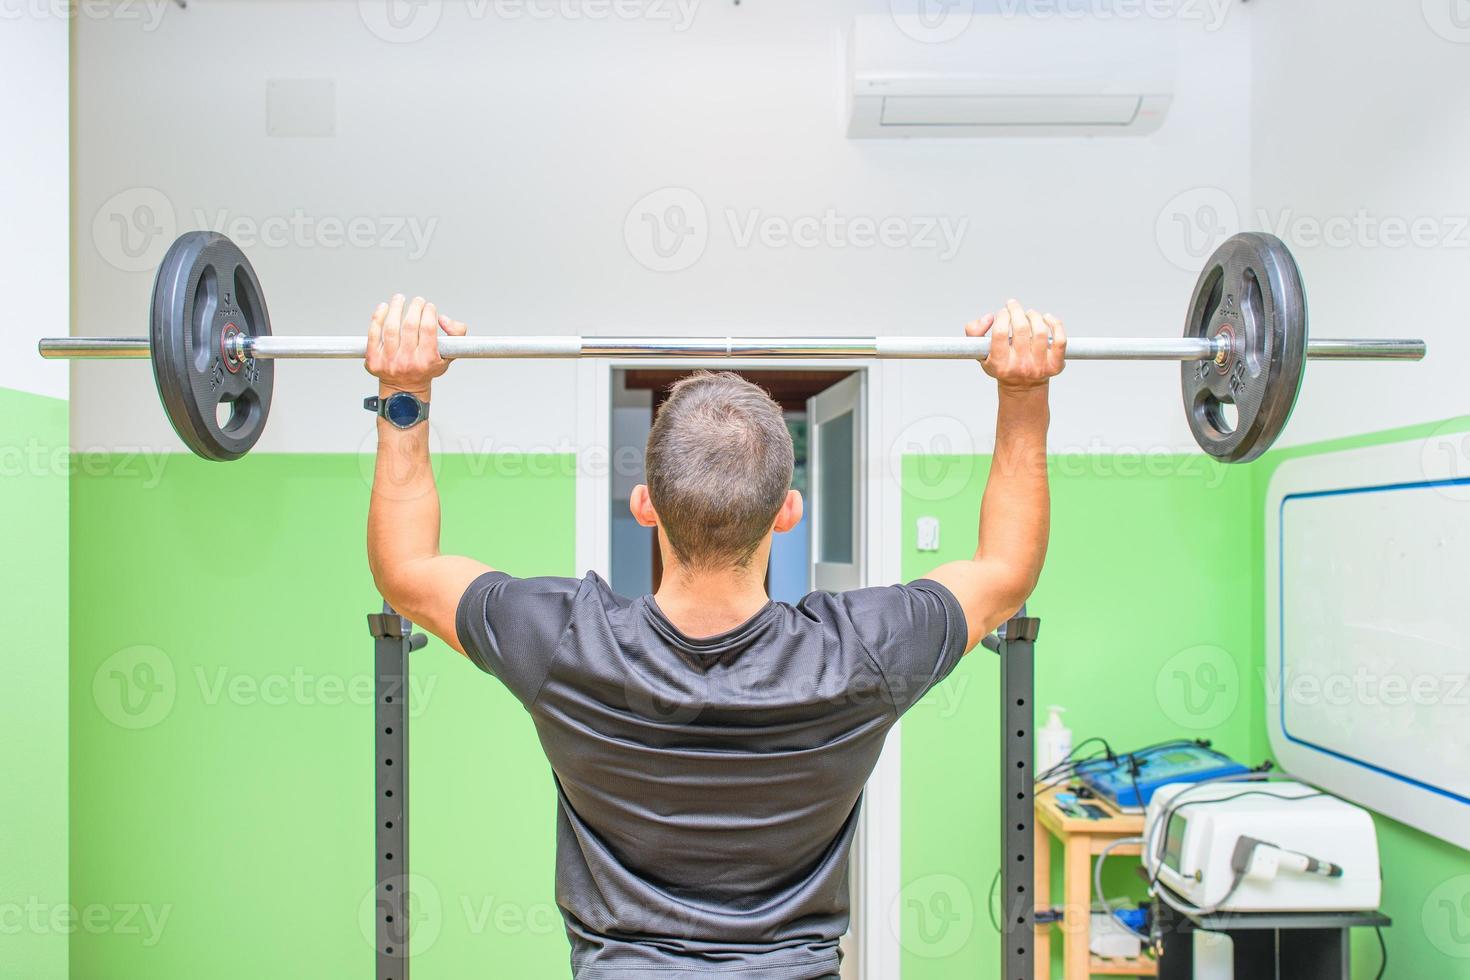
(221, 705)
(35, 920)
(1426, 881)
(220, 700)
(1146, 634)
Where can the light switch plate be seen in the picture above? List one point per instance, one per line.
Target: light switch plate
(928, 534)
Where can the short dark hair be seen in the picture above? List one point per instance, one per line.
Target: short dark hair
(719, 464)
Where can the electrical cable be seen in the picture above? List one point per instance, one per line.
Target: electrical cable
(1097, 886)
(990, 902)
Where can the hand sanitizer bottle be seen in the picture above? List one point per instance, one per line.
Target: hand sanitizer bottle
(1054, 741)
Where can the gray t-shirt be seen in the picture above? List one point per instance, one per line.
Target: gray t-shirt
(708, 789)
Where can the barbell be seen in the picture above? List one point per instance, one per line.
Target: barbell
(1244, 345)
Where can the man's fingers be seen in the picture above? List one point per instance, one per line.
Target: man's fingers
(411, 317)
(1038, 326)
(1058, 342)
(453, 328)
(980, 327)
(1019, 324)
(375, 328)
(429, 327)
(392, 322)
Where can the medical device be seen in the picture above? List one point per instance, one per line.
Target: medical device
(1260, 846)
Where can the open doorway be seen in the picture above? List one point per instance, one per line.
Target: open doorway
(821, 411)
(824, 413)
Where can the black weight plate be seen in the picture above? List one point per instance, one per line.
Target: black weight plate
(1251, 292)
(204, 292)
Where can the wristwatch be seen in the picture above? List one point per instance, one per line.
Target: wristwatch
(402, 409)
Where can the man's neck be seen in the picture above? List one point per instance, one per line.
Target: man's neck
(703, 604)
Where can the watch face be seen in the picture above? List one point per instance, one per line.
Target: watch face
(402, 409)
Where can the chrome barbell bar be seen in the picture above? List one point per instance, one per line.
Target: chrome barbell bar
(275, 347)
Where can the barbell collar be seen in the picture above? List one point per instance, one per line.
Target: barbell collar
(277, 347)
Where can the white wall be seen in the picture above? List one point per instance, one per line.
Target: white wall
(34, 254)
(1361, 128)
(527, 142)
(34, 259)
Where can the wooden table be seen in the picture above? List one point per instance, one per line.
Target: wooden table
(1082, 840)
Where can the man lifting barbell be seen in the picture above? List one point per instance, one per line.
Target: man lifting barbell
(709, 746)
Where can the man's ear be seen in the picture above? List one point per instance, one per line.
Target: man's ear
(790, 513)
(640, 505)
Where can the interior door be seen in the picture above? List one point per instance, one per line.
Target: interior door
(834, 464)
(835, 450)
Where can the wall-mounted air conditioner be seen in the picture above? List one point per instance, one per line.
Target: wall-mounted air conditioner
(1009, 75)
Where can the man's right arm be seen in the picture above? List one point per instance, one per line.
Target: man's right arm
(1027, 351)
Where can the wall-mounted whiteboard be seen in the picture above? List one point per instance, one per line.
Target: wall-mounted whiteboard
(1367, 680)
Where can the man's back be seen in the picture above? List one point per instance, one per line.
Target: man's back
(708, 788)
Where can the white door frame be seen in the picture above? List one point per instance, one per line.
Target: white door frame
(879, 834)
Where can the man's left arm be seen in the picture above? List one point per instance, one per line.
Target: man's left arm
(403, 517)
